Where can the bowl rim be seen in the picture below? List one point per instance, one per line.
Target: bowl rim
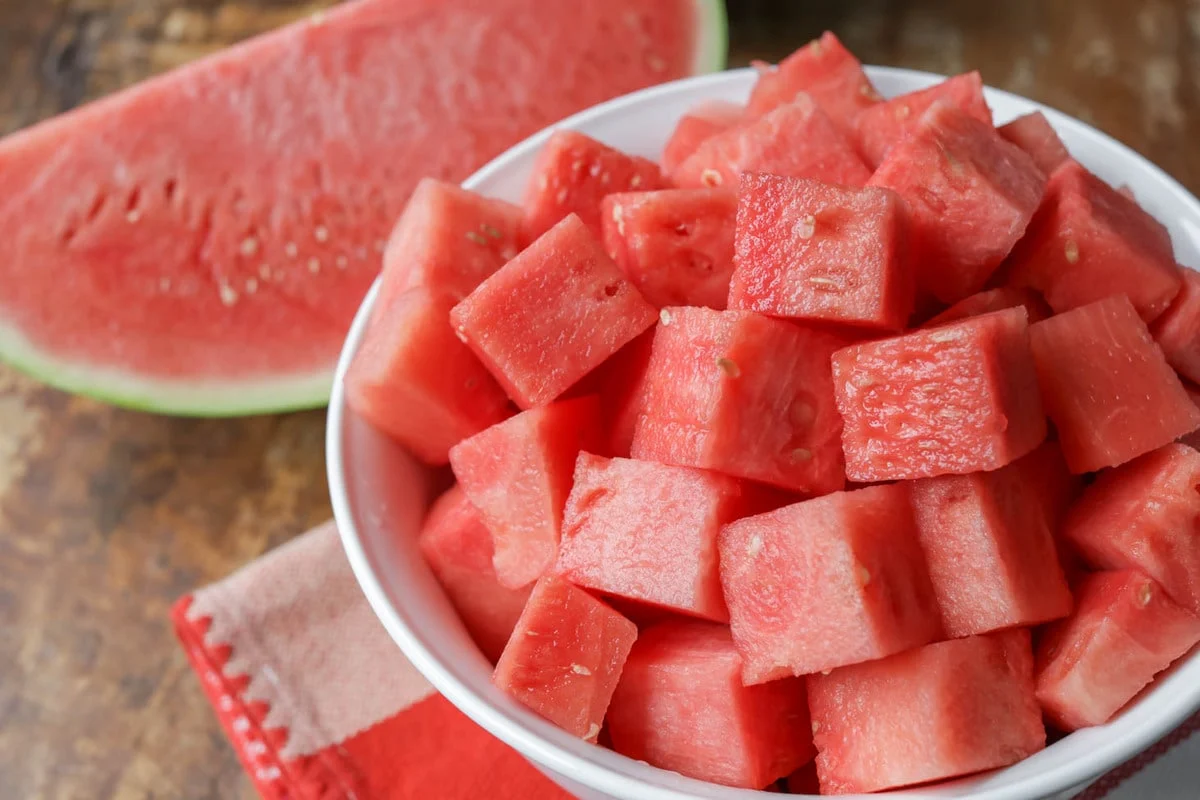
(547, 754)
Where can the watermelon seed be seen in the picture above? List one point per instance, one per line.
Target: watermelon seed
(825, 672)
(342, 262)
(508, 253)
(862, 575)
(561, 197)
(754, 547)
(710, 177)
(461, 333)
(229, 295)
(490, 231)
(635, 181)
(291, 250)
(618, 215)
(318, 18)
(249, 246)
(264, 271)
(729, 367)
(902, 112)
(657, 64)
(665, 317)
(868, 91)
(824, 284)
(321, 233)
(580, 669)
(594, 169)
(251, 285)
(806, 226)
(543, 182)
(817, 47)
(816, 726)
(1144, 594)
(802, 414)
(802, 454)
(593, 732)
(1072, 251)
(606, 179)
(683, 229)
(476, 238)
(945, 335)
(133, 216)
(314, 265)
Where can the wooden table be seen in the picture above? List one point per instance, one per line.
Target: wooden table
(106, 516)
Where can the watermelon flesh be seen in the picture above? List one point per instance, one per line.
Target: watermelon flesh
(622, 389)
(991, 300)
(681, 706)
(1177, 330)
(883, 125)
(1050, 482)
(701, 123)
(1034, 134)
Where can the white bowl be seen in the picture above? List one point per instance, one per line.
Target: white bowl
(379, 494)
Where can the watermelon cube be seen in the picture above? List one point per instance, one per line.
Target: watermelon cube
(1177, 330)
(676, 245)
(941, 711)
(565, 657)
(518, 474)
(1049, 481)
(681, 706)
(1119, 400)
(970, 196)
(994, 300)
(797, 139)
(701, 123)
(1192, 439)
(885, 124)
(621, 383)
(552, 314)
(1034, 134)
(1145, 515)
(743, 394)
(826, 582)
(815, 251)
(572, 175)
(1088, 241)
(955, 399)
(1125, 631)
(458, 548)
(413, 380)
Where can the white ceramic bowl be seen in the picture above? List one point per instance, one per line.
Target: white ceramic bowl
(379, 493)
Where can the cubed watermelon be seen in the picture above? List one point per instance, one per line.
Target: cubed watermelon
(702, 122)
(1049, 480)
(1177, 330)
(937, 712)
(1034, 134)
(681, 706)
(565, 656)
(1145, 515)
(970, 196)
(414, 381)
(1192, 439)
(815, 251)
(797, 139)
(1107, 386)
(458, 548)
(551, 315)
(742, 394)
(954, 399)
(1088, 241)
(1125, 631)
(675, 245)
(518, 474)
(621, 383)
(572, 175)
(830, 581)
(885, 124)
(999, 299)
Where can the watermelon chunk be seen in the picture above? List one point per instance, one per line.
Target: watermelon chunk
(703, 122)
(815, 251)
(1177, 330)
(1088, 241)
(1034, 134)
(518, 474)
(458, 548)
(565, 657)
(552, 314)
(1125, 631)
(943, 710)
(1100, 421)
(622, 389)
(954, 399)
(412, 379)
(885, 124)
(991, 300)
(742, 394)
(1050, 482)
(681, 706)
(1145, 515)
(970, 196)
(796, 139)
(826, 582)
(572, 175)
(676, 246)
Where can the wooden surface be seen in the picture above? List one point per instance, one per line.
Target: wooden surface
(107, 516)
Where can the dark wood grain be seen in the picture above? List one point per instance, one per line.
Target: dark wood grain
(106, 516)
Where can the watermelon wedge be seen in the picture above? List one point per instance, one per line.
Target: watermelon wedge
(213, 230)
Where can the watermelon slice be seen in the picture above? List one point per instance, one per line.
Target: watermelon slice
(1125, 631)
(999, 299)
(1177, 330)
(944, 710)
(826, 582)
(214, 230)
(681, 706)
(1049, 480)
(622, 388)
(1034, 134)
(701, 123)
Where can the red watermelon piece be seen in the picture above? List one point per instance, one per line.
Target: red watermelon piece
(937, 712)
(991, 300)
(552, 314)
(826, 582)
(565, 657)
(1177, 330)
(1049, 480)
(622, 388)
(955, 399)
(1125, 631)
(1034, 134)
(701, 123)
(1192, 439)
(681, 706)
(814, 251)
(1100, 421)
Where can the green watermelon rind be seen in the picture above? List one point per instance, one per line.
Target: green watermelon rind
(712, 50)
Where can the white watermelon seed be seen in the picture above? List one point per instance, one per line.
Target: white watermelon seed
(817, 47)
(476, 238)
(249, 246)
(1071, 251)
(264, 271)
(134, 215)
(291, 250)
(508, 253)
(710, 177)
(826, 672)
(635, 181)
(580, 669)
(802, 413)
(754, 547)
(862, 575)
(657, 64)
(461, 333)
(543, 182)
(561, 197)
(318, 18)
(251, 285)
(618, 216)
(945, 335)
(593, 731)
(606, 179)
(490, 231)
(824, 284)
(665, 317)
(314, 265)
(594, 169)
(868, 91)
(806, 226)
(321, 233)
(816, 726)
(729, 367)
(902, 112)
(342, 262)
(1145, 591)
(802, 454)
(229, 295)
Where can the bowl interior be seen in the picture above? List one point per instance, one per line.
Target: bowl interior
(380, 493)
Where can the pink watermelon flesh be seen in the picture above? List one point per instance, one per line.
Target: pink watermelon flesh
(1177, 330)
(622, 388)
(518, 474)
(937, 712)
(412, 379)
(991, 300)
(552, 314)
(826, 582)
(1145, 515)
(1100, 421)
(565, 657)
(217, 270)
(458, 548)
(681, 706)
(1048, 480)
(742, 394)
(970, 197)
(701, 123)
(950, 400)
(1192, 439)
(1034, 134)
(1125, 631)
(814, 251)
(676, 246)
